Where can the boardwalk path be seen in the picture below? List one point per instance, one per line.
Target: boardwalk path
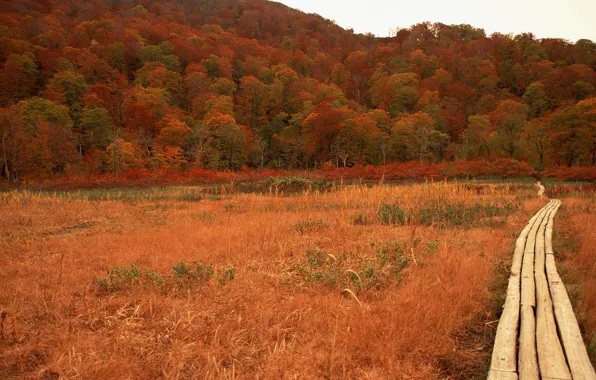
(538, 336)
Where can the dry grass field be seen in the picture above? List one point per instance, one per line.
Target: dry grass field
(373, 282)
(575, 243)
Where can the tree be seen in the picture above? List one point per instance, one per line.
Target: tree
(320, 129)
(122, 156)
(19, 79)
(399, 94)
(508, 121)
(536, 100)
(422, 140)
(174, 134)
(475, 139)
(49, 140)
(169, 157)
(573, 136)
(141, 122)
(536, 134)
(357, 64)
(96, 129)
(67, 87)
(227, 143)
(251, 102)
(357, 140)
(156, 75)
(13, 143)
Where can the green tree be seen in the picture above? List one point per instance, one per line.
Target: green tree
(536, 135)
(50, 138)
(573, 134)
(227, 142)
(96, 129)
(508, 121)
(536, 100)
(19, 79)
(475, 139)
(68, 87)
(400, 93)
(416, 134)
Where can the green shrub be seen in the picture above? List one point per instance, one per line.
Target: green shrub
(119, 278)
(391, 214)
(316, 257)
(431, 247)
(183, 276)
(320, 268)
(361, 220)
(308, 225)
(392, 256)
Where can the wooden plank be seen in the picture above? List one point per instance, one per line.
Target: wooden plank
(528, 363)
(573, 344)
(500, 375)
(541, 189)
(551, 359)
(520, 244)
(528, 288)
(504, 356)
(527, 360)
(549, 232)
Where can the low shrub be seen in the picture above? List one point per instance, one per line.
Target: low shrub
(309, 225)
(183, 276)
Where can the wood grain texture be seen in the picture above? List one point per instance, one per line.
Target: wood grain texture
(551, 359)
(573, 345)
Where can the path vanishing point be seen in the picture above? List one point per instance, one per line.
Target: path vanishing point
(538, 336)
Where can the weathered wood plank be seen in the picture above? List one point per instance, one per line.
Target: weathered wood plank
(551, 359)
(528, 363)
(573, 344)
(501, 375)
(504, 356)
(536, 294)
(528, 289)
(527, 358)
(548, 239)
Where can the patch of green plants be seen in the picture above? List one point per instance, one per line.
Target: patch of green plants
(348, 271)
(202, 273)
(131, 194)
(391, 256)
(190, 196)
(392, 214)
(361, 220)
(232, 207)
(119, 278)
(447, 215)
(431, 247)
(320, 268)
(309, 225)
(279, 186)
(183, 276)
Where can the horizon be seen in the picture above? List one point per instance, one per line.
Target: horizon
(570, 21)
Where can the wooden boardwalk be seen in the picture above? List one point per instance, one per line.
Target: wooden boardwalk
(538, 336)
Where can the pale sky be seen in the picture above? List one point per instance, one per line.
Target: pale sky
(569, 19)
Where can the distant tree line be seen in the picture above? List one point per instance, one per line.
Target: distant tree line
(108, 86)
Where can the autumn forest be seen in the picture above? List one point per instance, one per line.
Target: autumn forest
(117, 85)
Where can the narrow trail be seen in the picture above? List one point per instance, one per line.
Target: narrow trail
(538, 336)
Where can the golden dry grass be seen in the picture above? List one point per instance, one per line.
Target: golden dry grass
(430, 320)
(575, 247)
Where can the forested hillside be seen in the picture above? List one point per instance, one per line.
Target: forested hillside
(107, 86)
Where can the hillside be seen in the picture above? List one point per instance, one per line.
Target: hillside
(108, 86)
